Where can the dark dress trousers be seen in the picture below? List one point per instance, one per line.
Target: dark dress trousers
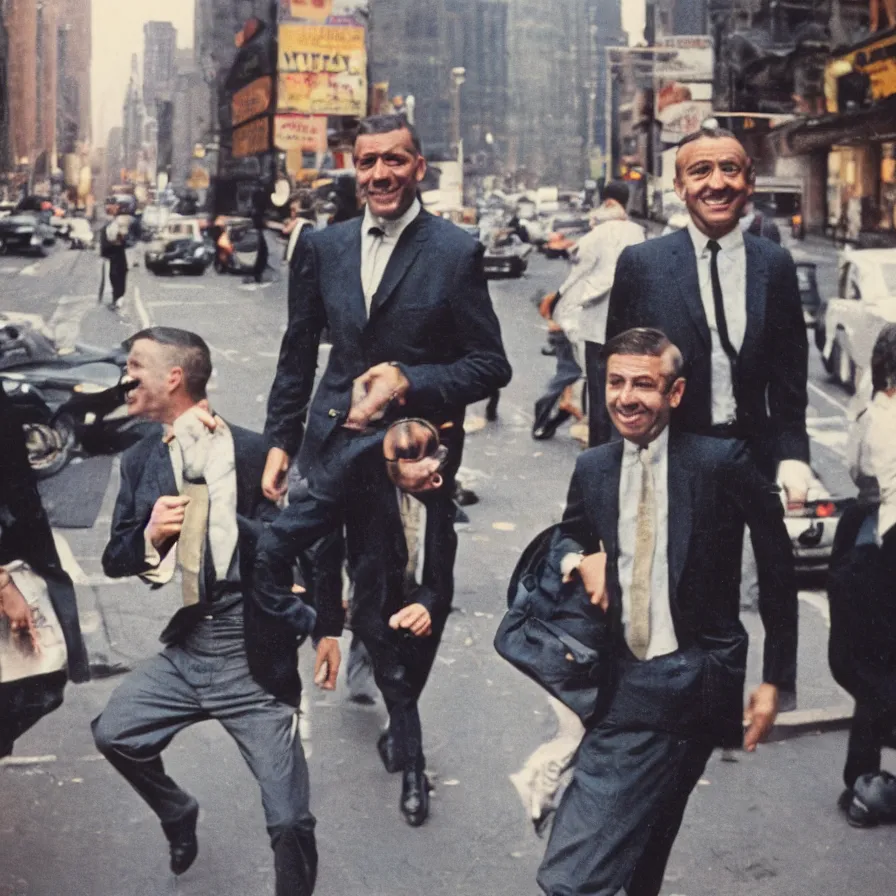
(223, 659)
(656, 285)
(637, 765)
(432, 315)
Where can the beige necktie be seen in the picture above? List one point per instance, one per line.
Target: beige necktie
(192, 540)
(412, 522)
(638, 630)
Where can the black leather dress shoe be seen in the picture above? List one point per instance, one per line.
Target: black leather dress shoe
(414, 803)
(387, 753)
(183, 847)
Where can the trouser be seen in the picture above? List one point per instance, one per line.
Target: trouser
(261, 257)
(207, 677)
(600, 430)
(118, 273)
(619, 817)
(567, 373)
(870, 731)
(364, 501)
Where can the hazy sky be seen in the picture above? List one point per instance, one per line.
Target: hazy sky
(118, 33)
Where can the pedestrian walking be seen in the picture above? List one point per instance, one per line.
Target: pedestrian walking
(635, 533)
(413, 333)
(113, 243)
(191, 499)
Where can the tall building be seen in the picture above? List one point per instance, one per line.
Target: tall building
(190, 116)
(159, 70)
(20, 17)
(74, 41)
(133, 115)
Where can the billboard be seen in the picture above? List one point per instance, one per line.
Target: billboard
(871, 67)
(332, 12)
(307, 133)
(252, 100)
(682, 70)
(252, 138)
(322, 69)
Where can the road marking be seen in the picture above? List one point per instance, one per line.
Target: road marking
(142, 313)
(9, 269)
(818, 602)
(819, 391)
(65, 322)
(30, 270)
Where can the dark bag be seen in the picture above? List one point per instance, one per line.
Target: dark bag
(553, 633)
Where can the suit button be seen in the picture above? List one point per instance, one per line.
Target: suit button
(333, 412)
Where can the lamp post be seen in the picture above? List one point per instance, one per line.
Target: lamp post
(458, 76)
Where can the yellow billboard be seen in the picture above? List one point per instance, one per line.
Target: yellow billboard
(322, 70)
(874, 60)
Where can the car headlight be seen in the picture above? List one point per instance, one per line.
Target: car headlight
(199, 252)
(25, 229)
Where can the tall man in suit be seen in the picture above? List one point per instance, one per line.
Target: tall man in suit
(192, 499)
(730, 301)
(405, 301)
(653, 525)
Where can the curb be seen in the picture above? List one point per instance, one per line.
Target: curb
(794, 724)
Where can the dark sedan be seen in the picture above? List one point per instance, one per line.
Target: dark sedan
(181, 246)
(506, 255)
(26, 232)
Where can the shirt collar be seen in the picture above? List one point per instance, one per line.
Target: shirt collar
(656, 450)
(732, 240)
(392, 228)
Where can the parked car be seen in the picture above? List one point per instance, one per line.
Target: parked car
(850, 322)
(26, 232)
(563, 236)
(506, 255)
(181, 246)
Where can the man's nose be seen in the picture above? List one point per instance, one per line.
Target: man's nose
(627, 394)
(717, 179)
(380, 170)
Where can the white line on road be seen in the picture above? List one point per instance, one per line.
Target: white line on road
(29, 271)
(819, 602)
(819, 391)
(142, 313)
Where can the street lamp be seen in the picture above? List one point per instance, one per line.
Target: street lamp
(458, 76)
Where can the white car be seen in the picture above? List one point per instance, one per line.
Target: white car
(851, 321)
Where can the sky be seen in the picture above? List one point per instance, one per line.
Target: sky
(117, 34)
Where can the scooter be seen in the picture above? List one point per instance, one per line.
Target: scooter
(67, 402)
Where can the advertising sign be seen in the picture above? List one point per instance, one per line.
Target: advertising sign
(683, 118)
(332, 12)
(252, 100)
(689, 58)
(307, 133)
(322, 70)
(308, 10)
(873, 62)
(252, 138)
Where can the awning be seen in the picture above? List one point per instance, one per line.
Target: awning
(806, 135)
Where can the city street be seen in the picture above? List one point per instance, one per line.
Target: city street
(764, 826)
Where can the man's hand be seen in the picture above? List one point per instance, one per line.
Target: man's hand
(21, 620)
(760, 715)
(416, 476)
(273, 479)
(592, 569)
(414, 618)
(166, 519)
(326, 664)
(380, 385)
(795, 477)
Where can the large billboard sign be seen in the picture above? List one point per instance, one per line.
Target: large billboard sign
(682, 70)
(870, 67)
(322, 70)
(307, 133)
(251, 138)
(252, 100)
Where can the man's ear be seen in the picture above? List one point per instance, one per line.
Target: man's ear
(175, 379)
(420, 169)
(679, 188)
(676, 392)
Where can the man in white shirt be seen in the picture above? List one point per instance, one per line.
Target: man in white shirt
(653, 527)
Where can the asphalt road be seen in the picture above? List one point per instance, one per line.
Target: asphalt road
(766, 826)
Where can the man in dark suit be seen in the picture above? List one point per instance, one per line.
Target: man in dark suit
(730, 302)
(192, 500)
(654, 525)
(404, 298)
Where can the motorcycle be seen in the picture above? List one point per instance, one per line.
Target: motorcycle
(68, 401)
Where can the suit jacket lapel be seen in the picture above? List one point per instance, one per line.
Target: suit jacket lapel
(348, 272)
(685, 268)
(756, 289)
(606, 501)
(407, 249)
(681, 511)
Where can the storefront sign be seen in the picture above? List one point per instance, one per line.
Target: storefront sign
(323, 70)
(689, 58)
(252, 138)
(253, 100)
(304, 132)
(874, 61)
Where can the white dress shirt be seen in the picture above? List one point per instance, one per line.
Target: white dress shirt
(879, 452)
(733, 277)
(377, 250)
(662, 628)
(198, 452)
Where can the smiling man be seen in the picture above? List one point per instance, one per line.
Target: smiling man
(730, 301)
(404, 299)
(653, 526)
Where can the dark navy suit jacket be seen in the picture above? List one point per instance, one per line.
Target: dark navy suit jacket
(656, 285)
(147, 475)
(431, 313)
(713, 491)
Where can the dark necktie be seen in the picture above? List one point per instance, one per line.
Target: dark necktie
(368, 284)
(719, 304)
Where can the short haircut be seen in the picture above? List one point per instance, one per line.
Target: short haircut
(384, 124)
(646, 341)
(883, 360)
(617, 190)
(713, 132)
(186, 350)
